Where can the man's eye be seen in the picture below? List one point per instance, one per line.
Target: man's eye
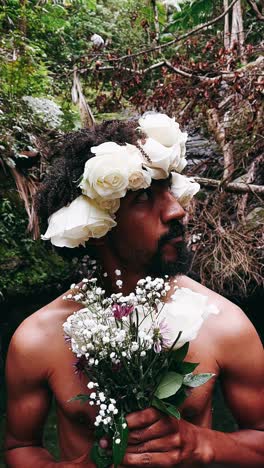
(143, 196)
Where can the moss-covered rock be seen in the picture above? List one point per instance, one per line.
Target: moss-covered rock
(27, 267)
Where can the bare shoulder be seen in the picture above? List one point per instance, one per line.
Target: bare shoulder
(38, 337)
(233, 334)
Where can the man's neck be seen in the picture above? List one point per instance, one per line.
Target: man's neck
(111, 266)
(129, 280)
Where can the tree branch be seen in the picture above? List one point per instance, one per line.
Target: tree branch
(254, 6)
(163, 63)
(179, 71)
(177, 39)
(235, 187)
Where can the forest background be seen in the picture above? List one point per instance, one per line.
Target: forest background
(66, 64)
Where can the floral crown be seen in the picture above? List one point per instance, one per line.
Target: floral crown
(113, 171)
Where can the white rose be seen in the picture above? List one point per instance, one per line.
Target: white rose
(161, 158)
(107, 174)
(163, 129)
(139, 179)
(73, 225)
(183, 188)
(108, 205)
(186, 313)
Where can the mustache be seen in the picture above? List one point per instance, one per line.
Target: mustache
(176, 229)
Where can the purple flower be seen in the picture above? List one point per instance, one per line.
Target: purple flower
(157, 346)
(80, 365)
(161, 341)
(122, 310)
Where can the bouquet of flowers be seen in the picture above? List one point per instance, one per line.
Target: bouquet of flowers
(132, 349)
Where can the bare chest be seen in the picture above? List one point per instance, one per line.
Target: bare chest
(66, 383)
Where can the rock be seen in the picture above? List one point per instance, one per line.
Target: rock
(255, 218)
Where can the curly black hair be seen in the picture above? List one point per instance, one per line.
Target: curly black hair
(60, 184)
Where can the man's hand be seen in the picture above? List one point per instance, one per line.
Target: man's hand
(158, 440)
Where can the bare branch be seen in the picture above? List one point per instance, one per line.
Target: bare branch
(165, 63)
(218, 128)
(156, 20)
(177, 39)
(226, 27)
(235, 187)
(254, 6)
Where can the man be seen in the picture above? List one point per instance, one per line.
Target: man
(145, 235)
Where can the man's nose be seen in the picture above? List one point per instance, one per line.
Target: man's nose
(171, 208)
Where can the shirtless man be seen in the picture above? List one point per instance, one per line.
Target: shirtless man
(147, 238)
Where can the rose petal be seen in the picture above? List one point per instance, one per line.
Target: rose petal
(75, 224)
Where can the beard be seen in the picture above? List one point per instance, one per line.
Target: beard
(158, 266)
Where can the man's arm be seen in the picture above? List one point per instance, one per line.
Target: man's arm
(28, 403)
(159, 441)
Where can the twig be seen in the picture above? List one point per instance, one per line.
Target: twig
(166, 63)
(235, 187)
(177, 39)
(256, 10)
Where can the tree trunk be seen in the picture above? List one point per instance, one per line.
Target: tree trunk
(156, 21)
(218, 129)
(226, 27)
(237, 31)
(22, 25)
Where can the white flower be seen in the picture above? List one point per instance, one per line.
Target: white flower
(165, 145)
(163, 159)
(113, 170)
(183, 188)
(102, 396)
(91, 385)
(186, 313)
(162, 128)
(139, 179)
(108, 205)
(73, 225)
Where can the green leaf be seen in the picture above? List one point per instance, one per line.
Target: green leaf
(191, 380)
(180, 353)
(91, 4)
(169, 385)
(186, 367)
(80, 397)
(159, 404)
(121, 433)
(100, 457)
(173, 411)
(166, 408)
(178, 398)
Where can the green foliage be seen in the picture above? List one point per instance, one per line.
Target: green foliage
(121, 433)
(169, 385)
(191, 14)
(26, 265)
(191, 380)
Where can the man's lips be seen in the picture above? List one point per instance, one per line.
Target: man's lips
(170, 247)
